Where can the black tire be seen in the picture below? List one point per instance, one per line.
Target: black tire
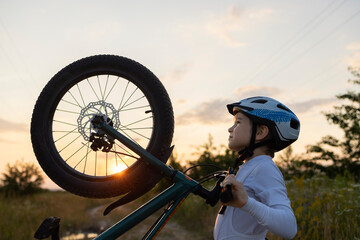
(60, 125)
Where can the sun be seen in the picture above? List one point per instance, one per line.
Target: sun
(119, 167)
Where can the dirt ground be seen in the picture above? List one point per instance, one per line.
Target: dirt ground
(172, 230)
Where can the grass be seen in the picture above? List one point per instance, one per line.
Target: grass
(21, 216)
(324, 208)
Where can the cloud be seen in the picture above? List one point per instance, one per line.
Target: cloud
(227, 27)
(212, 112)
(261, 14)
(7, 141)
(215, 112)
(354, 59)
(7, 126)
(250, 91)
(177, 74)
(224, 26)
(302, 107)
(353, 46)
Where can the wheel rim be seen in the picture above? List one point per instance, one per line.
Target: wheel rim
(86, 149)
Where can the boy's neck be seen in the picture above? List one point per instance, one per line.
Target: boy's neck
(258, 152)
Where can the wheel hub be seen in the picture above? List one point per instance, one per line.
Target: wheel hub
(98, 138)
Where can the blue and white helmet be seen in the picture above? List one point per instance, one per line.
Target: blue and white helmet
(281, 121)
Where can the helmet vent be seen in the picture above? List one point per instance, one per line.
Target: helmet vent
(262, 101)
(283, 107)
(294, 124)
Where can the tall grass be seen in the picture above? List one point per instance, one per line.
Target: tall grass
(324, 209)
(21, 216)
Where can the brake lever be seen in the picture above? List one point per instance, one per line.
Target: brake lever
(226, 194)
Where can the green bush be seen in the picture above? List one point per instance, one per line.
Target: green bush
(21, 178)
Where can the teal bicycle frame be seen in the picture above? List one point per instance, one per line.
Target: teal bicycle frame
(182, 187)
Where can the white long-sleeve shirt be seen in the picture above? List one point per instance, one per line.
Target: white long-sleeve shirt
(268, 206)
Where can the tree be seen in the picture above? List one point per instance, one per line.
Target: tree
(22, 178)
(342, 154)
(292, 165)
(208, 154)
(289, 163)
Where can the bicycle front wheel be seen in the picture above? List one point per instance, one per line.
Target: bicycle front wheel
(84, 160)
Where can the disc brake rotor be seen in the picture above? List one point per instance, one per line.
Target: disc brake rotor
(99, 139)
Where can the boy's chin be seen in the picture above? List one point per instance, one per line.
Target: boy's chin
(234, 148)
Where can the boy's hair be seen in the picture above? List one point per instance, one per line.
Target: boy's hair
(271, 146)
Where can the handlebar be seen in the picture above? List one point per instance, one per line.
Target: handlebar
(218, 193)
(202, 192)
(226, 194)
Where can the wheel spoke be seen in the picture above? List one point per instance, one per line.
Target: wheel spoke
(67, 111)
(107, 81)
(111, 89)
(72, 131)
(102, 96)
(128, 109)
(106, 167)
(69, 143)
(75, 153)
(133, 102)
(95, 163)
(82, 159)
(129, 154)
(70, 124)
(132, 130)
(129, 136)
(86, 156)
(141, 120)
(75, 99)
(77, 105)
(93, 90)
(81, 96)
(128, 98)
(127, 85)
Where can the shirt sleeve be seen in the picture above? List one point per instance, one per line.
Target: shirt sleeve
(271, 206)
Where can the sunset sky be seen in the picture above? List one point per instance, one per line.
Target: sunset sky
(206, 53)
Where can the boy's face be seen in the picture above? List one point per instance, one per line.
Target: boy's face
(240, 132)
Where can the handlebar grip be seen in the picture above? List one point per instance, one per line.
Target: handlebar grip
(226, 195)
(202, 192)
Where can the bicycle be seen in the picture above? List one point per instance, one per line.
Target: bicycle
(76, 120)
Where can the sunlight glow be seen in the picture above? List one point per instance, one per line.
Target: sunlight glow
(119, 167)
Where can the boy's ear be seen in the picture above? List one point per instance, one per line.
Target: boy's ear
(262, 132)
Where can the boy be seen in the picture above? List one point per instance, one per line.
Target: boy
(261, 127)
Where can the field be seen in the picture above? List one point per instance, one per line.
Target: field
(324, 208)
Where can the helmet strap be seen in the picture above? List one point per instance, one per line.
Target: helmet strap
(247, 152)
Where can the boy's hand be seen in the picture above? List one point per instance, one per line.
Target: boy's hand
(240, 196)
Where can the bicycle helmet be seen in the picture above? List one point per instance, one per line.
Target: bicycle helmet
(281, 121)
